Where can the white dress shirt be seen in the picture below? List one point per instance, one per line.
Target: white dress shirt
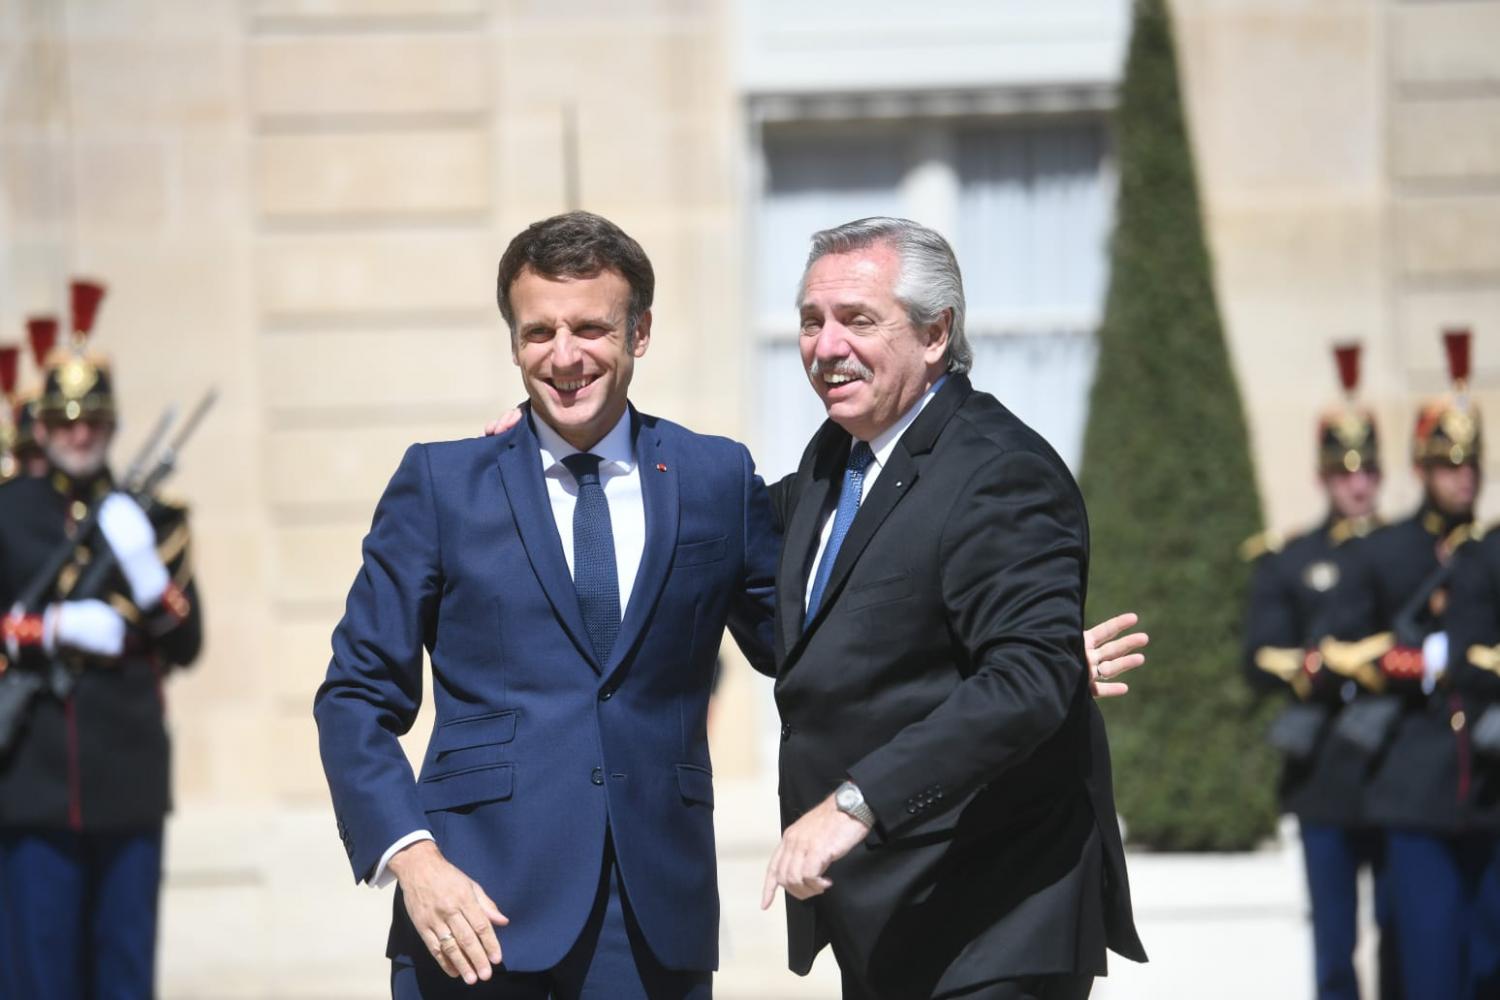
(620, 477)
(881, 446)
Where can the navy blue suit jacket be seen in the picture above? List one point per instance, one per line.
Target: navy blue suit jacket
(538, 746)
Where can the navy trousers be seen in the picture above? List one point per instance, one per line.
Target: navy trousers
(1333, 857)
(609, 961)
(79, 914)
(1447, 896)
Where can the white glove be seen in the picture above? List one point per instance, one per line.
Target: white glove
(89, 626)
(1434, 660)
(133, 541)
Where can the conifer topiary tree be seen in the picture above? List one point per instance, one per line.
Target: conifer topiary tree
(1171, 492)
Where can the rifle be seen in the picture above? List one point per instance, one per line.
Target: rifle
(143, 477)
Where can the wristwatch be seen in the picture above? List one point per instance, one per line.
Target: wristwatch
(851, 801)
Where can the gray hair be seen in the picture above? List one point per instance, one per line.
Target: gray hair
(928, 284)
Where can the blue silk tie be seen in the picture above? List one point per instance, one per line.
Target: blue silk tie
(850, 495)
(594, 575)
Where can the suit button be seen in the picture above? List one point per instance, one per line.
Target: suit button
(786, 732)
(606, 694)
(598, 776)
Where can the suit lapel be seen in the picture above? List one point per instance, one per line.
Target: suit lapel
(659, 496)
(801, 538)
(896, 480)
(531, 509)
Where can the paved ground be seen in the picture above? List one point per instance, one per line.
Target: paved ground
(262, 905)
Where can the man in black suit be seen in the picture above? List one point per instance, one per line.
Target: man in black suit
(945, 785)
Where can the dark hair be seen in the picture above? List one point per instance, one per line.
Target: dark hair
(577, 245)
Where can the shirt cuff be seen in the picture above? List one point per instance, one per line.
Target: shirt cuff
(382, 876)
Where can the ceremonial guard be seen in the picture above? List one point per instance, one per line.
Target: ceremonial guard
(1415, 733)
(1293, 590)
(10, 370)
(100, 606)
(23, 448)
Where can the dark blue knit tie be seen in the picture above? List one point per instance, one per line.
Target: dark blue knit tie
(850, 495)
(594, 575)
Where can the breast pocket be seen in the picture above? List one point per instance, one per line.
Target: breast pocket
(697, 553)
(886, 590)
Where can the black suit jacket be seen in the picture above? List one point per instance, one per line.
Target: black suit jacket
(944, 673)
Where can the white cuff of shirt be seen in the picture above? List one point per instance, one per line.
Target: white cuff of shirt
(382, 876)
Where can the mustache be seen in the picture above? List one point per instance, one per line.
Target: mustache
(848, 366)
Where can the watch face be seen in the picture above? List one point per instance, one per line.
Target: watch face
(847, 798)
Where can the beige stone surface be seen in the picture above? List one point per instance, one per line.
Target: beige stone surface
(382, 174)
(320, 75)
(322, 467)
(406, 11)
(359, 275)
(1445, 42)
(406, 369)
(1450, 139)
(1448, 235)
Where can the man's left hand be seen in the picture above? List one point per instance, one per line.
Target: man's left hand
(807, 849)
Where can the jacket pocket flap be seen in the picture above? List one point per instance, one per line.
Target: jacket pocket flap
(467, 788)
(475, 731)
(695, 783)
(891, 588)
(694, 553)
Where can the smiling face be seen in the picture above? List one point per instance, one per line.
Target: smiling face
(573, 347)
(866, 360)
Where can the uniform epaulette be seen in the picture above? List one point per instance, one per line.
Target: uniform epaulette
(1350, 528)
(1265, 543)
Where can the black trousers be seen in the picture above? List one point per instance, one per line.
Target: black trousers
(1061, 987)
(1029, 988)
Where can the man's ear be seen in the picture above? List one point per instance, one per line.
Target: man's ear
(642, 335)
(937, 337)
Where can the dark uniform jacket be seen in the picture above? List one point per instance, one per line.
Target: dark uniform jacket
(1397, 590)
(1292, 609)
(1473, 621)
(944, 674)
(98, 760)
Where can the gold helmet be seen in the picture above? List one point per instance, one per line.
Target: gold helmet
(1346, 433)
(1448, 427)
(78, 384)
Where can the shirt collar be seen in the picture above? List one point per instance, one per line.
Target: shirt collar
(613, 449)
(885, 442)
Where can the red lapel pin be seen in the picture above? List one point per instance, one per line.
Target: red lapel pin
(660, 467)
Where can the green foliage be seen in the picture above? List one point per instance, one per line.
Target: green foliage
(1171, 492)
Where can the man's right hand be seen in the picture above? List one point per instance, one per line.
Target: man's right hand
(450, 911)
(504, 422)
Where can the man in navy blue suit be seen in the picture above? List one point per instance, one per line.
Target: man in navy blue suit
(570, 580)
